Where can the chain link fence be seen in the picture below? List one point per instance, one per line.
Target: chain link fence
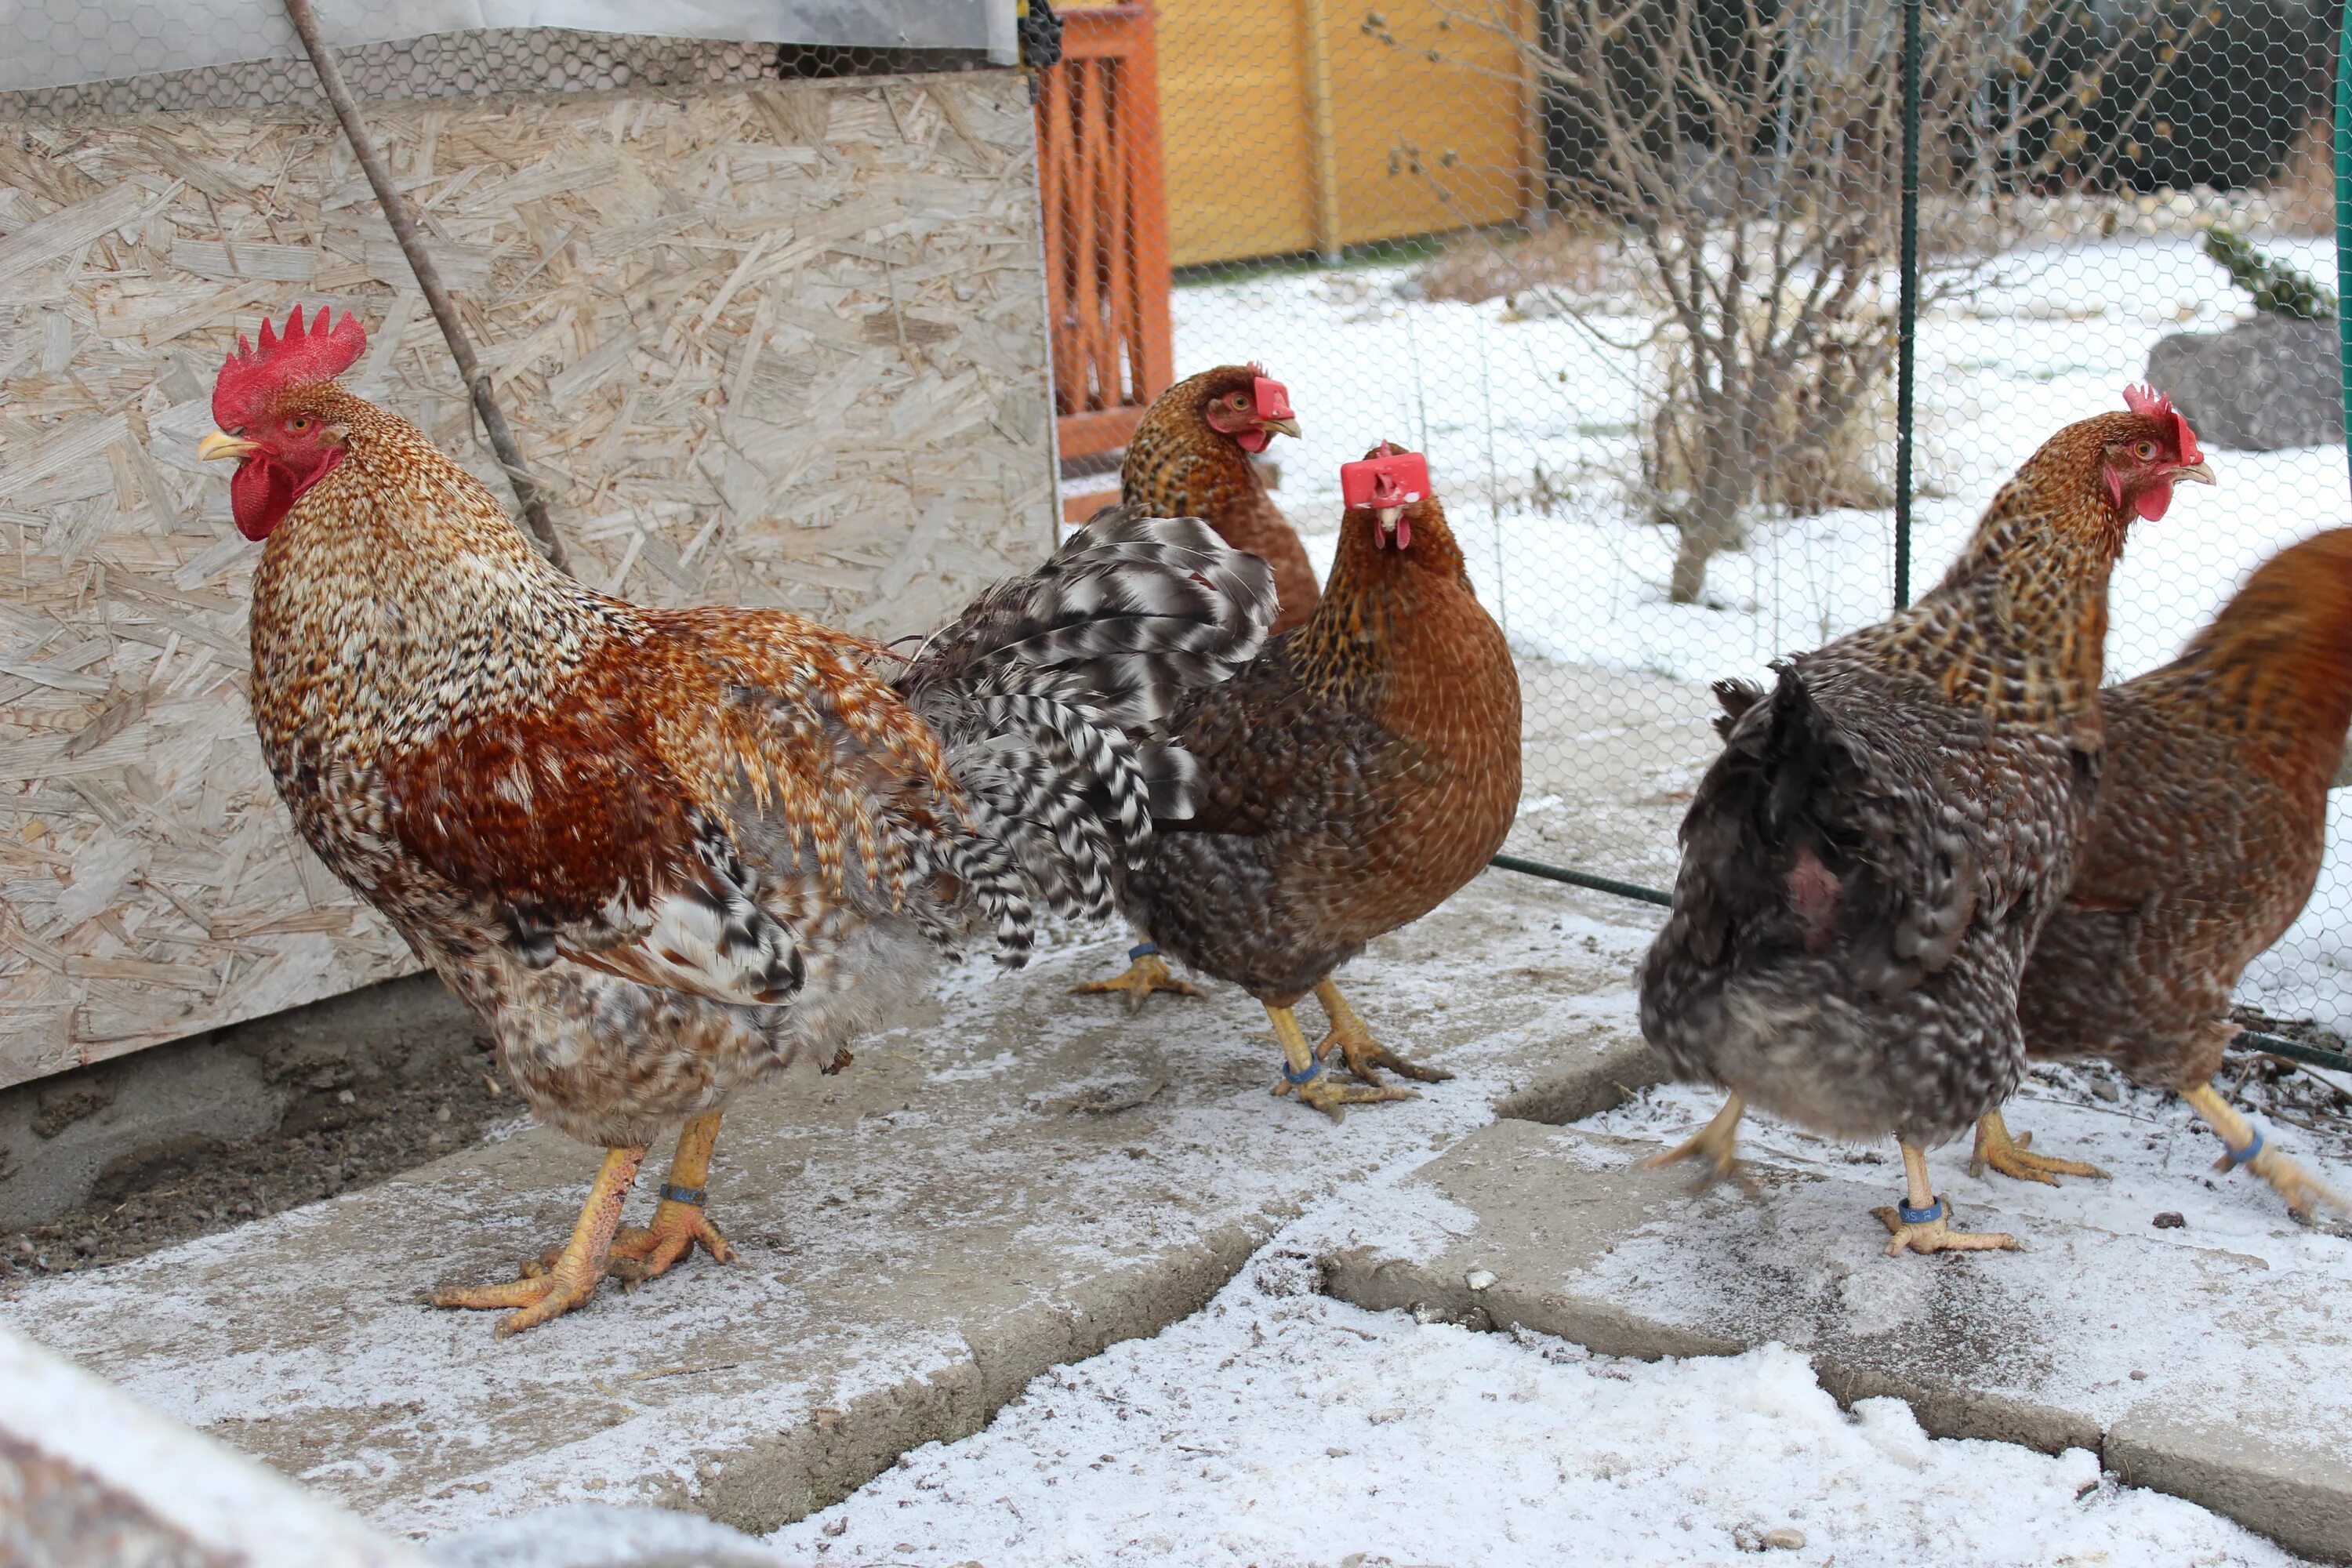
(1628, 271)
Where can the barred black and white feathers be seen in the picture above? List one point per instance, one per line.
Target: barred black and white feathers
(1048, 694)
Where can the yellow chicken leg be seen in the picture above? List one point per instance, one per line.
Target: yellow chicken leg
(680, 1223)
(1924, 1222)
(1364, 1055)
(2013, 1156)
(1303, 1073)
(2303, 1191)
(578, 1271)
(1718, 1142)
(1146, 972)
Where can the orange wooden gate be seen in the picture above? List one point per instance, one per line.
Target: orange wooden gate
(1106, 210)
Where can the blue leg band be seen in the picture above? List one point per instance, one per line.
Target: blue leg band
(1142, 949)
(1927, 1216)
(685, 1194)
(1296, 1079)
(2237, 1157)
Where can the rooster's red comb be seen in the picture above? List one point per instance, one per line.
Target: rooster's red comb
(2149, 404)
(253, 376)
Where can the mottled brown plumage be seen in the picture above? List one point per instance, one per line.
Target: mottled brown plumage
(1867, 865)
(2208, 831)
(1356, 775)
(665, 854)
(1179, 465)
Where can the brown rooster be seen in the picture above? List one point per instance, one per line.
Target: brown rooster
(2206, 842)
(666, 854)
(1363, 769)
(1867, 865)
(1190, 457)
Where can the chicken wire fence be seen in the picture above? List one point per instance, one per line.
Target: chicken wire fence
(1629, 273)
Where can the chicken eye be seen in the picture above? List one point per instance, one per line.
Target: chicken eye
(2145, 451)
(301, 422)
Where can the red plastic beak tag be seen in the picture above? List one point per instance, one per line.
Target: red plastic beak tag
(1271, 401)
(1406, 475)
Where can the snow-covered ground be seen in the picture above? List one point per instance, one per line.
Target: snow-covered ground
(1493, 398)
(1280, 1428)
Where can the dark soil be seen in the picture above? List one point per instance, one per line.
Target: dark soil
(333, 1140)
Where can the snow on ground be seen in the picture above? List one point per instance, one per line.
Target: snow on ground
(1493, 399)
(1281, 1428)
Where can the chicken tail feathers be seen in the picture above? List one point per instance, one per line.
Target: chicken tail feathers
(1048, 694)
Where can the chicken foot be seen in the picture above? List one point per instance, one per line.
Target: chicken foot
(2013, 1156)
(1146, 972)
(1302, 1072)
(648, 1252)
(1923, 1224)
(578, 1269)
(2303, 1191)
(1364, 1055)
(1718, 1142)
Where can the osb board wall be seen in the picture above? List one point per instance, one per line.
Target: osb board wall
(778, 344)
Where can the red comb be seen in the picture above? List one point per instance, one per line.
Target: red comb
(298, 358)
(2151, 404)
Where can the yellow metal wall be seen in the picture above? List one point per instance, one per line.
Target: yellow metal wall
(1409, 145)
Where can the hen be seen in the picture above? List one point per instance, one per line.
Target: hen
(1352, 778)
(1190, 457)
(666, 854)
(2206, 842)
(1867, 864)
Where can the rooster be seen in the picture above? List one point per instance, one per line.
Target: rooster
(1190, 457)
(666, 854)
(1352, 778)
(2206, 842)
(1867, 864)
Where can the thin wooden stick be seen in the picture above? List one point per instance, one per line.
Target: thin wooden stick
(428, 279)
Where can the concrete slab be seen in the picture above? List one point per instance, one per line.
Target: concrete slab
(1009, 1180)
(2215, 1368)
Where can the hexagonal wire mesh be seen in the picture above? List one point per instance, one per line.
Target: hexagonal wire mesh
(1637, 303)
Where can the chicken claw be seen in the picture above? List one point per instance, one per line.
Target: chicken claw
(643, 1253)
(2303, 1191)
(1364, 1055)
(1304, 1074)
(578, 1269)
(1718, 1142)
(1923, 1223)
(1146, 972)
(2013, 1156)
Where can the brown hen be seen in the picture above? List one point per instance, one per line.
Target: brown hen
(2206, 843)
(1867, 865)
(666, 854)
(1355, 776)
(1190, 457)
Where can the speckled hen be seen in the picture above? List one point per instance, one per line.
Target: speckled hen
(1352, 778)
(1867, 864)
(2206, 841)
(1190, 457)
(665, 854)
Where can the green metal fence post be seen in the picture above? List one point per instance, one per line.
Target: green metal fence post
(1910, 306)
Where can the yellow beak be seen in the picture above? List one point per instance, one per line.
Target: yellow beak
(1287, 427)
(2197, 471)
(220, 445)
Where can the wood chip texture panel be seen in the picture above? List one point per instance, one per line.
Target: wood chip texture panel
(774, 344)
